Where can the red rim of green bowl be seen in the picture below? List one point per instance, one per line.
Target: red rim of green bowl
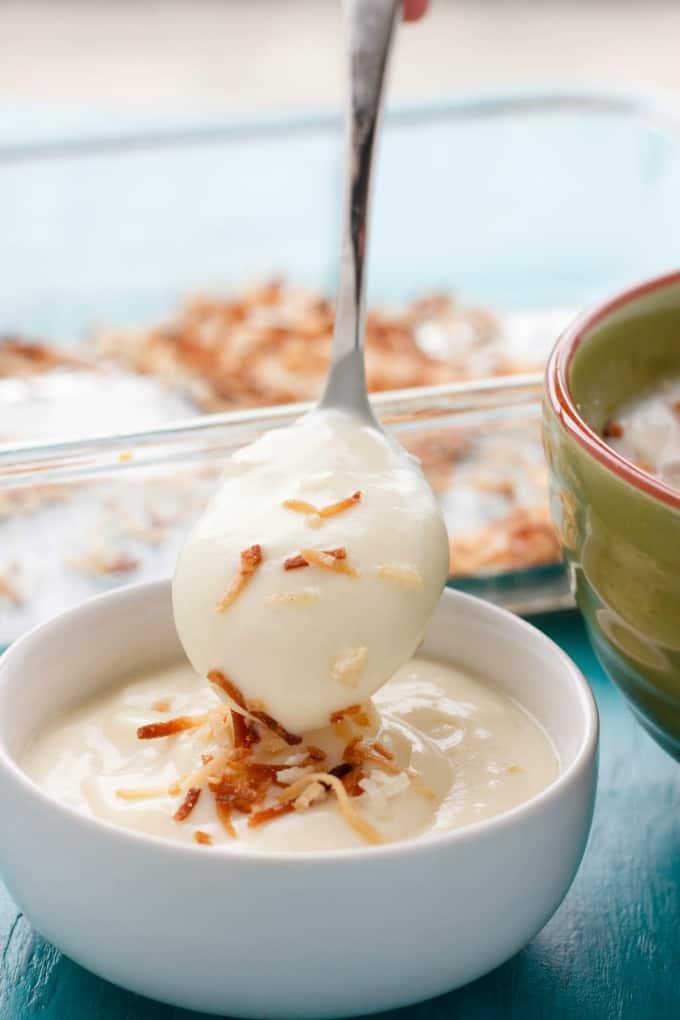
(564, 406)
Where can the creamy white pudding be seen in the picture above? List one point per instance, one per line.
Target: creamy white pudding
(646, 431)
(311, 575)
(436, 750)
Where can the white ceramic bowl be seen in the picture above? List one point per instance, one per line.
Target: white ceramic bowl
(289, 935)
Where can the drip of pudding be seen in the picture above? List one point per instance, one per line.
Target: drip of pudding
(161, 754)
(311, 575)
(646, 431)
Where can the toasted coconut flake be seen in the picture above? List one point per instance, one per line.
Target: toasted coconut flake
(142, 793)
(315, 753)
(188, 804)
(276, 727)
(316, 516)
(268, 814)
(504, 487)
(304, 597)
(296, 562)
(214, 767)
(352, 782)
(162, 705)
(250, 560)
(220, 726)
(352, 816)
(203, 838)
(348, 665)
(328, 561)
(333, 509)
(245, 734)
(240, 728)
(378, 746)
(399, 573)
(167, 727)
(99, 562)
(300, 506)
(361, 718)
(342, 712)
(273, 745)
(357, 753)
(342, 730)
(215, 676)
(11, 591)
(224, 815)
(526, 537)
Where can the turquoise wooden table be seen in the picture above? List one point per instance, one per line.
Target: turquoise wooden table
(612, 950)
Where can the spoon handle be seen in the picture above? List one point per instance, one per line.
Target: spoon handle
(369, 26)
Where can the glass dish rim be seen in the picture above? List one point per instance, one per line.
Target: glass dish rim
(657, 107)
(408, 408)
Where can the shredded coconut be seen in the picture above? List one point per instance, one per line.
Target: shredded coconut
(328, 561)
(379, 788)
(304, 597)
(407, 577)
(300, 506)
(162, 705)
(293, 774)
(251, 559)
(348, 665)
(312, 794)
(318, 481)
(142, 793)
(352, 816)
(203, 838)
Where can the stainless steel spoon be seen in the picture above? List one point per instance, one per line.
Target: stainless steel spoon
(370, 30)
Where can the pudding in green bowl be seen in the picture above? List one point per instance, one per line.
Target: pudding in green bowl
(611, 439)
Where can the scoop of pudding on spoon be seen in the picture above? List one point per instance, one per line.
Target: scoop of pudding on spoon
(312, 573)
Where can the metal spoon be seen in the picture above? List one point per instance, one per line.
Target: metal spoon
(369, 29)
(366, 627)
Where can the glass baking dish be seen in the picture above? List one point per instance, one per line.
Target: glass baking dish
(81, 516)
(531, 205)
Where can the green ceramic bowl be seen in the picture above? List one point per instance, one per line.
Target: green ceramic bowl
(620, 526)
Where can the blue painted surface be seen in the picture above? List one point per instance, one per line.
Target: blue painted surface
(612, 950)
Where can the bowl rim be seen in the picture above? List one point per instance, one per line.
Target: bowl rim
(563, 404)
(584, 760)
